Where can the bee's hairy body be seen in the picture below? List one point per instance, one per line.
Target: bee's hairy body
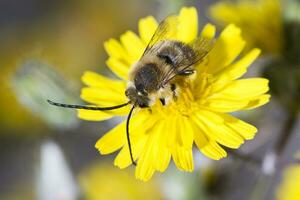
(148, 77)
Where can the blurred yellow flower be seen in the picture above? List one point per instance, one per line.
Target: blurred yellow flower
(260, 21)
(199, 113)
(289, 188)
(102, 182)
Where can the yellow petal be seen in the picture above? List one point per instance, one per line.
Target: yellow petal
(214, 127)
(208, 31)
(148, 159)
(146, 173)
(200, 138)
(245, 88)
(116, 138)
(93, 115)
(268, 14)
(237, 95)
(134, 45)
(176, 137)
(93, 79)
(185, 133)
(244, 129)
(257, 102)
(117, 51)
(164, 153)
(224, 12)
(188, 24)
(170, 134)
(113, 140)
(213, 151)
(99, 85)
(183, 158)
(239, 68)
(118, 67)
(102, 97)
(227, 47)
(106, 98)
(147, 27)
(225, 105)
(145, 165)
(163, 159)
(123, 159)
(140, 124)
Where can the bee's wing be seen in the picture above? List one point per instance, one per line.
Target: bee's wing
(201, 47)
(166, 30)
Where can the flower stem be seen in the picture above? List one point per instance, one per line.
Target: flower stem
(285, 134)
(244, 158)
(267, 176)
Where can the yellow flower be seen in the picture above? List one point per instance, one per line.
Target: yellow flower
(289, 188)
(101, 182)
(260, 21)
(199, 113)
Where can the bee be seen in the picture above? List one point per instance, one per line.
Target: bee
(165, 64)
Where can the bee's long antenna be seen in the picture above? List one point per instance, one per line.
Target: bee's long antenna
(128, 137)
(86, 107)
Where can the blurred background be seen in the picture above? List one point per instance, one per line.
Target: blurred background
(46, 153)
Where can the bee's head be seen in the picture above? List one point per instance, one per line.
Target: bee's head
(137, 98)
(144, 81)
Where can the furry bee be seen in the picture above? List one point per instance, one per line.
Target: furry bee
(164, 65)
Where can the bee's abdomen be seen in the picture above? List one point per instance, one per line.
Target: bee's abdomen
(175, 53)
(147, 78)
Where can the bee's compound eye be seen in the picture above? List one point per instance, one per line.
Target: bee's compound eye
(139, 87)
(130, 91)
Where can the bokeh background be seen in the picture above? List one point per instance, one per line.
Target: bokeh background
(47, 153)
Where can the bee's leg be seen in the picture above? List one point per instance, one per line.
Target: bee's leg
(187, 72)
(163, 101)
(173, 89)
